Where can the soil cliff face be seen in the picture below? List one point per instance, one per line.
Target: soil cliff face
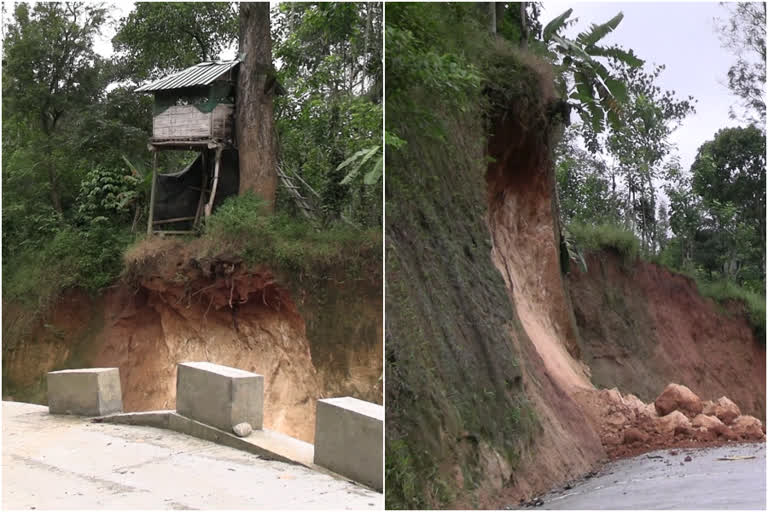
(522, 219)
(215, 311)
(493, 354)
(643, 326)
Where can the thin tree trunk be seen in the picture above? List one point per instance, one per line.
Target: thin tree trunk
(523, 27)
(500, 7)
(492, 17)
(53, 178)
(254, 114)
(53, 181)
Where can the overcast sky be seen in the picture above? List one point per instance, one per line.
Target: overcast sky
(681, 36)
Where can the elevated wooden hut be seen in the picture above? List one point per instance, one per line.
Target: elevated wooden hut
(193, 110)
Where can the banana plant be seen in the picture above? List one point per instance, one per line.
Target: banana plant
(595, 93)
(358, 161)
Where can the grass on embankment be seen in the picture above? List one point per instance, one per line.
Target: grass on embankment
(288, 244)
(294, 248)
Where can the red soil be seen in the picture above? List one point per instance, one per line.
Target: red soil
(643, 326)
(179, 309)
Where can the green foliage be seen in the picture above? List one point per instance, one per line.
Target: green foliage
(358, 161)
(156, 39)
(289, 244)
(573, 253)
(426, 58)
(717, 212)
(641, 145)
(402, 476)
(330, 117)
(596, 91)
(744, 35)
(731, 170)
(88, 258)
(585, 185)
(43, 78)
(447, 305)
(45, 85)
(105, 194)
(606, 236)
(63, 141)
(511, 27)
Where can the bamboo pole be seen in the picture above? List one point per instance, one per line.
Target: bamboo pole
(175, 232)
(201, 201)
(209, 206)
(171, 221)
(152, 195)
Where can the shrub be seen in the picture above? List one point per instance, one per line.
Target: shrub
(241, 224)
(606, 236)
(87, 258)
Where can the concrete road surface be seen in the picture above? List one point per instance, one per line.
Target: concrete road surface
(58, 462)
(658, 481)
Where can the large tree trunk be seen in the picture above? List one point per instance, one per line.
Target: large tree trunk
(254, 121)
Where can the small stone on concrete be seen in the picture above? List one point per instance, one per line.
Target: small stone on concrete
(242, 429)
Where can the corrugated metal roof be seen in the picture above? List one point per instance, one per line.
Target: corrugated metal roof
(199, 74)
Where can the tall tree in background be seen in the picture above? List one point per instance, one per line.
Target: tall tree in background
(586, 187)
(254, 122)
(159, 38)
(519, 22)
(685, 215)
(641, 143)
(50, 73)
(744, 35)
(729, 175)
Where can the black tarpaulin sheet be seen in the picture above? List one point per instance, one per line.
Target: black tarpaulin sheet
(178, 194)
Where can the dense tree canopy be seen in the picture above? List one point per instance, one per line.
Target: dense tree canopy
(329, 120)
(157, 38)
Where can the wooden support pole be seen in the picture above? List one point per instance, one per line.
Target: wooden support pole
(209, 206)
(201, 201)
(176, 232)
(171, 221)
(152, 195)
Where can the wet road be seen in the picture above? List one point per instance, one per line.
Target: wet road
(652, 482)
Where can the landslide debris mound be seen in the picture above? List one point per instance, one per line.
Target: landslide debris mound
(628, 426)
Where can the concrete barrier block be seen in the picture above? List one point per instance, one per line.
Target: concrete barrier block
(219, 396)
(348, 439)
(85, 392)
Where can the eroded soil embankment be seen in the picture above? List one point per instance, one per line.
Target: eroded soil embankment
(643, 326)
(215, 311)
(522, 221)
(638, 333)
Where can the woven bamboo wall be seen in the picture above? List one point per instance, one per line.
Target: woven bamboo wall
(187, 122)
